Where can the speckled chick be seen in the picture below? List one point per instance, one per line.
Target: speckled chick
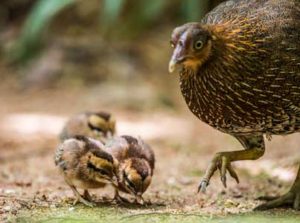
(136, 164)
(84, 164)
(98, 125)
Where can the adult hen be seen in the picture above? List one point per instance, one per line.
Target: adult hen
(240, 73)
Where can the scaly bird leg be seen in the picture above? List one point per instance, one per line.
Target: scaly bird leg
(119, 198)
(291, 198)
(80, 198)
(87, 196)
(254, 149)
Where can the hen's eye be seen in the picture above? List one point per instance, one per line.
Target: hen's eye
(198, 45)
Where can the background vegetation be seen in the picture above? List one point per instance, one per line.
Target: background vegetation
(77, 30)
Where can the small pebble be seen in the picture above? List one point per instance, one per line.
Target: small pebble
(7, 208)
(185, 181)
(71, 209)
(171, 181)
(9, 191)
(230, 203)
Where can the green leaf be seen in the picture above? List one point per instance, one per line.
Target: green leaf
(37, 21)
(111, 11)
(152, 9)
(193, 10)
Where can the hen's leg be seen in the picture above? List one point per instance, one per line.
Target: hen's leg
(254, 149)
(291, 198)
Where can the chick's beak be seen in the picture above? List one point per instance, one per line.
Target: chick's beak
(114, 181)
(139, 199)
(109, 134)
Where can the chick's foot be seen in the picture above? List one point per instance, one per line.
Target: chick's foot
(79, 198)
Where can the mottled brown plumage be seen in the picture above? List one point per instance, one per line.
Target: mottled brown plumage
(240, 73)
(85, 164)
(136, 164)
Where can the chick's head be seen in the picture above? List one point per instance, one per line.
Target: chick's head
(102, 166)
(103, 123)
(136, 175)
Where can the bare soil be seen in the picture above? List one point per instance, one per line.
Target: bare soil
(31, 121)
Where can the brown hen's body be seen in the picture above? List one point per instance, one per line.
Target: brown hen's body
(240, 73)
(251, 82)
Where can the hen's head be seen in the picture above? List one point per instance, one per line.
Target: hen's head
(192, 45)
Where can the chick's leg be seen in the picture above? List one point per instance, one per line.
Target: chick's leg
(254, 149)
(87, 196)
(291, 198)
(80, 198)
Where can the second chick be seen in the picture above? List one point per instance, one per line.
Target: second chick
(136, 164)
(98, 125)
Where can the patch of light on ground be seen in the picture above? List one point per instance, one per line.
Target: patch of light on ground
(37, 124)
(28, 124)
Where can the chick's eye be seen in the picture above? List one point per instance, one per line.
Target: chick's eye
(103, 172)
(198, 45)
(128, 182)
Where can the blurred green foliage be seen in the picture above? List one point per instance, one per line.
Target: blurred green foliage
(128, 17)
(39, 18)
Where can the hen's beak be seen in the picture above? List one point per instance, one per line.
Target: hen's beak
(178, 57)
(172, 65)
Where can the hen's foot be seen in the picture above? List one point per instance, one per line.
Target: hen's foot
(221, 161)
(254, 148)
(292, 198)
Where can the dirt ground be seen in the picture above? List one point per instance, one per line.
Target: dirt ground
(31, 121)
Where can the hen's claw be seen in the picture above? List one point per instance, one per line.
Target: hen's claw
(232, 173)
(223, 179)
(202, 186)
